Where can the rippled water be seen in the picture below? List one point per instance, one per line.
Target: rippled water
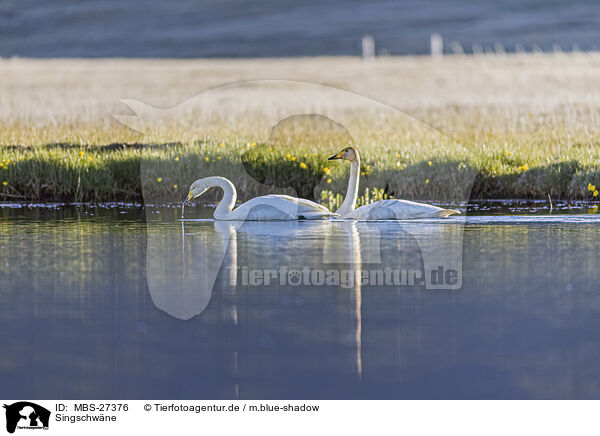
(102, 302)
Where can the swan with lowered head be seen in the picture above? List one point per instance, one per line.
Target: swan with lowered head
(264, 208)
(383, 209)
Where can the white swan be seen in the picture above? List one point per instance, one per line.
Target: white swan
(267, 207)
(383, 209)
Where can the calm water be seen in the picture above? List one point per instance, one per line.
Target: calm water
(263, 28)
(101, 301)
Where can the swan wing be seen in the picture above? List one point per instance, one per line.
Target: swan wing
(310, 207)
(279, 207)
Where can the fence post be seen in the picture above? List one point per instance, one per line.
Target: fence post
(437, 45)
(368, 47)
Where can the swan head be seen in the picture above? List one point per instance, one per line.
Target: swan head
(198, 188)
(348, 153)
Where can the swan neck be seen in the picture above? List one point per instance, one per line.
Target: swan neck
(226, 204)
(349, 203)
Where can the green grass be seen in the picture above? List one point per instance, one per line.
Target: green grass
(161, 171)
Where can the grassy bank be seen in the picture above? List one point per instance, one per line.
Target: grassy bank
(119, 171)
(519, 126)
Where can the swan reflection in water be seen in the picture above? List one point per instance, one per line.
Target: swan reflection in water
(184, 267)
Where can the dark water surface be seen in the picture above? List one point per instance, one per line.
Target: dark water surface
(262, 28)
(80, 315)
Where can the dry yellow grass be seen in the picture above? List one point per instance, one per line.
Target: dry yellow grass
(494, 90)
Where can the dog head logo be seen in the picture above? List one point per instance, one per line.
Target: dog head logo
(26, 415)
(274, 137)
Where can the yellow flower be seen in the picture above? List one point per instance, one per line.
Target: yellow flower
(328, 180)
(159, 179)
(82, 153)
(429, 163)
(288, 155)
(4, 183)
(253, 144)
(426, 181)
(397, 154)
(303, 165)
(326, 170)
(219, 157)
(596, 193)
(176, 158)
(175, 186)
(206, 159)
(90, 157)
(222, 144)
(293, 158)
(591, 187)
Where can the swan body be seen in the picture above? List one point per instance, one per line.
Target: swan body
(383, 209)
(397, 210)
(264, 208)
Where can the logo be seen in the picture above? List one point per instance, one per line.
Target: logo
(26, 415)
(287, 152)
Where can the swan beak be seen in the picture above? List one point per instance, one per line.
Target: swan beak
(337, 156)
(189, 197)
